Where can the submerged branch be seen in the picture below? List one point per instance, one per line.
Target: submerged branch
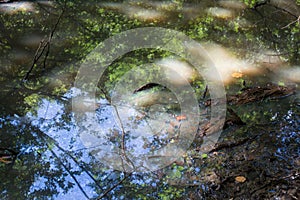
(43, 46)
(123, 145)
(258, 93)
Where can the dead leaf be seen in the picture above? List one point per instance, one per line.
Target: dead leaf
(237, 75)
(180, 117)
(240, 179)
(6, 159)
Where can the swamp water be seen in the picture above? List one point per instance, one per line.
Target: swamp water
(46, 155)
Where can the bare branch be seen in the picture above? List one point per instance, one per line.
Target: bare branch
(297, 20)
(42, 47)
(46, 138)
(114, 186)
(71, 174)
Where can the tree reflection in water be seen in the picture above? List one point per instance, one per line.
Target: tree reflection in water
(41, 153)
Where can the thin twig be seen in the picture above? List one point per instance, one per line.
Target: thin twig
(71, 174)
(123, 145)
(297, 20)
(284, 10)
(42, 47)
(45, 137)
(113, 187)
(205, 92)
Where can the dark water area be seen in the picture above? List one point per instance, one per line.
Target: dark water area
(152, 128)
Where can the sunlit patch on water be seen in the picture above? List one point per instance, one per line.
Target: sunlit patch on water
(226, 63)
(31, 40)
(220, 12)
(183, 70)
(145, 14)
(20, 56)
(232, 4)
(153, 11)
(12, 8)
(137, 12)
(290, 74)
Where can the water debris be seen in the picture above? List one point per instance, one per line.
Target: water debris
(204, 156)
(258, 93)
(181, 117)
(146, 87)
(237, 75)
(240, 179)
(209, 128)
(7, 156)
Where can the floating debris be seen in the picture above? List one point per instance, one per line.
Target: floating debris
(258, 93)
(240, 179)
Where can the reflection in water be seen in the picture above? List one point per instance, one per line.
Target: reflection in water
(53, 159)
(65, 143)
(31, 40)
(137, 132)
(66, 140)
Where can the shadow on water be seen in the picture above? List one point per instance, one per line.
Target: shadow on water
(44, 154)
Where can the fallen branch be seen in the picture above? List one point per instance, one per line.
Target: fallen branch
(258, 93)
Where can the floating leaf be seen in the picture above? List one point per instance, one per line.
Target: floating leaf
(204, 156)
(280, 83)
(240, 179)
(237, 75)
(6, 159)
(180, 117)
